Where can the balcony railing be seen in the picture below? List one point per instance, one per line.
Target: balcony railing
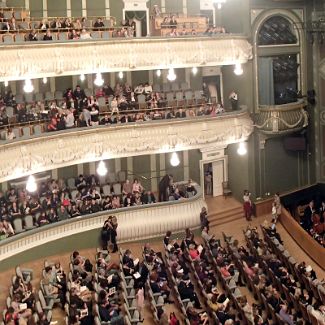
(74, 146)
(135, 223)
(281, 119)
(46, 59)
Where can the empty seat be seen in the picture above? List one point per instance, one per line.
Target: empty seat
(19, 38)
(106, 35)
(26, 132)
(62, 36)
(10, 111)
(23, 25)
(117, 189)
(18, 225)
(16, 131)
(7, 14)
(8, 38)
(29, 222)
(49, 96)
(96, 35)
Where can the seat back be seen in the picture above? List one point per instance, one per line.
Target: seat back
(29, 222)
(117, 189)
(19, 38)
(62, 36)
(105, 35)
(26, 132)
(37, 129)
(18, 225)
(8, 38)
(96, 35)
(121, 175)
(10, 111)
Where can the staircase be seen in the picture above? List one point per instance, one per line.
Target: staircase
(232, 213)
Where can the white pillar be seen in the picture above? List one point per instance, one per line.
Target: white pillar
(107, 9)
(186, 166)
(163, 6)
(188, 76)
(44, 8)
(84, 8)
(36, 85)
(92, 168)
(184, 7)
(69, 14)
(80, 169)
(112, 79)
(153, 173)
(162, 164)
(13, 86)
(129, 77)
(55, 174)
(164, 74)
(150, 77)
(75, 81)
(27, 4)
(117, 165)
(52, 84)
(129, 166)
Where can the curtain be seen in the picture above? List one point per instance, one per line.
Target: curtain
(265, 81)
(138, 15)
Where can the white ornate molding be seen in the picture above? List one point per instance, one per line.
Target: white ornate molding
(85, 57)
(134, 223)
(55, 150)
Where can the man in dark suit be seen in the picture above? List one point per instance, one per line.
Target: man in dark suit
(306, 221)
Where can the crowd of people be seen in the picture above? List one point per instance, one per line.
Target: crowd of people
(313, 221)
(120, 104)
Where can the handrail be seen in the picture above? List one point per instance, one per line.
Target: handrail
(284, 107)
(132, 224)
(115, 127)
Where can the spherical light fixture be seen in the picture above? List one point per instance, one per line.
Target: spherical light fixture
(194, 70)
(82, 77)
(28, 87)
(242, 150)
(31, 185)
(171, 75)
(158, 73)
(238, 71)
(174, 160)
(120, 75)
(99, 81)
(44, 80)
(6, 83)
(101, 169)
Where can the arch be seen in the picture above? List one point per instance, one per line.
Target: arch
(256, 27)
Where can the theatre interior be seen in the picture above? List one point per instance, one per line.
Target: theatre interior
(162, 162)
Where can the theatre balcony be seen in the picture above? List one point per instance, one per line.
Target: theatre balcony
(31, 60)
(281, 119)
(63, 148)
(134, 223)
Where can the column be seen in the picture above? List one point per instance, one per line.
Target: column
(112, 79)
(84, 8)
(92, 168)
(27, 4)
(184, 7)
(107, 9)
(36, 85)
(129, 77)
(117, 165)
(69, 14)
(153, 173)
(54, 173)
(89, 81)
(150, 77)
(52, 84)
(13, 86)
(129, 166)
(75, 81)
(163, 6)
(186, 166)
(80, 169)
(162, 164)
(188, 76)
(44, 8)
(164, 74)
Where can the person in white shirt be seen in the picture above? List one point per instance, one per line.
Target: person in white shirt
(139, 89)
(85, 35)
(69, 119)
(10, 135)
(147, 88)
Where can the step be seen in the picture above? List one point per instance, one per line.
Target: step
(224, 214)
(221, 221)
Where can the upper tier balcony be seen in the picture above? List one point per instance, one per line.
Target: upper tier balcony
(63, 148)
(281, 119)
(29, 60)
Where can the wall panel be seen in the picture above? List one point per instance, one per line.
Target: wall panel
(96, 8)
(57, 8)
(36, 8)
(76, 8)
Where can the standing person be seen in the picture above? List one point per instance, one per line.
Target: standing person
(247, 205)
(109, 233)
(208, 183)
(204, 218)
(277, 204)
(140, 301)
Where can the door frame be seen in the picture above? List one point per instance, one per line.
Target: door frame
(224, 160)
(139, 9)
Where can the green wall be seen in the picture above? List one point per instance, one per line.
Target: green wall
(194, 164)
(57, 8)
(139, 77)
(237, 171)
(16, 3)
(174, 6)
(36, 8)
(95, 8)
(76, 8)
